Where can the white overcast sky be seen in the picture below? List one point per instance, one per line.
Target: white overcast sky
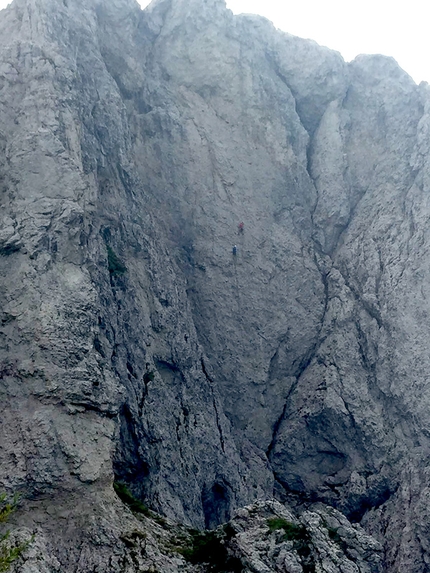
(397, 28)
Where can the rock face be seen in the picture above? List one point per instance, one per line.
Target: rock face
(263, 537)
(135, 343)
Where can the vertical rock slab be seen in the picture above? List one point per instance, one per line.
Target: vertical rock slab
(213, 270)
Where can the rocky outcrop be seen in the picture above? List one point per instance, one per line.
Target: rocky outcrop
(261, 538)
(135, 344)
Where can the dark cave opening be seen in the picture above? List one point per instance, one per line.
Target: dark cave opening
(216, 504)
(129, 467)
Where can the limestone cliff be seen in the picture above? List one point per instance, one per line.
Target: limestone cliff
(135, 345)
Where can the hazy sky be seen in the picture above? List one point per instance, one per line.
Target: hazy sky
(394, 28)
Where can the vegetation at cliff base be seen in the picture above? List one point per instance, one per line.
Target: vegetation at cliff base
(292, 532)
(300, 538)
(7, 507)
(128, 498)
(334, 536)
(209, 547)
(8, 552)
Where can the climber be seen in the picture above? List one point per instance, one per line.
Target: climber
(241, 227)
(234, 250)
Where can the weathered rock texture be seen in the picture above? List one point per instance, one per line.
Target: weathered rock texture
(261, 538)
(134, 342)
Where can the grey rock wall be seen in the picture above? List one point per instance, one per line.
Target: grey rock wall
(135, 344)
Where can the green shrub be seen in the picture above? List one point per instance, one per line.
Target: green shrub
(128, 498)
(276, 523)
(136, 505)
(299, 536)
(148, 376)
(115, 265)
(132, 538)
(8, 553)
(334, 536)
(292, 532)
(6, 508)
(209, 547)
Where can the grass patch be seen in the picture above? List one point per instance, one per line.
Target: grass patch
(292, 532)
(334, 536)
(148, 376)
(276, 523)
(128, 498)
(159, 519)
(7, 507)
(136, 505)
(8, 553)
(209, 547)
(300, 538)
(115, 265)
(133, 538)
